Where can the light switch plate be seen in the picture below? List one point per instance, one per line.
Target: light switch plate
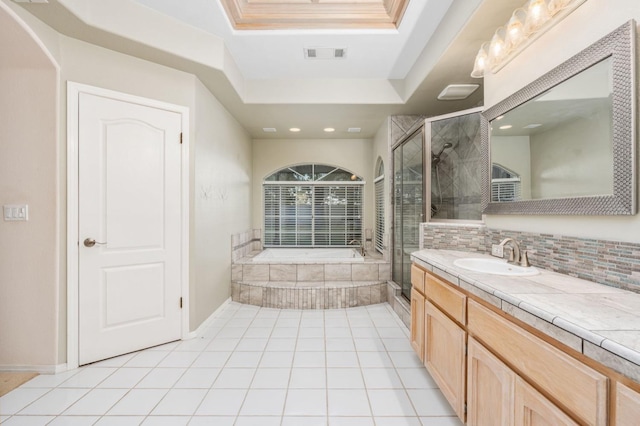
(16, 212)
(497, 250)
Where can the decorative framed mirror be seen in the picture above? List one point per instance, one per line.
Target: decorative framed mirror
(565, 144)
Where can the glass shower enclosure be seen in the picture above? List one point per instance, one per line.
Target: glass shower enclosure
(408, 205)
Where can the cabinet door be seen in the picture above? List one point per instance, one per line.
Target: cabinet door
(490, 388)
(445, 356)
(417, 323)
(417, 278)
(627, 406)
(533, 409)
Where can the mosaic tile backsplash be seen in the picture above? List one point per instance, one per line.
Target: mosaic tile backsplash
(611, 263)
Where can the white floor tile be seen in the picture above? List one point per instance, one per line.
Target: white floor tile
(197, 378)
(167, 347)
(287, 323)
(342, 360)
(222, 402)
(166, 421)
(28, 421)
(390, 402)
(281, 345)
(211, 359)
(374, 360)
(179, 359)
(212, 421)
(368, 344)
(397, 421)
(308, 378)
(365, 333)
(441, 421)
(306, 402)
(416, 378)
(161, 378)
(336, 322)
(193, 345)
(244, 360)
(74, 421)
(258, 421)
(258, 332)
(310, 345)
(88, 377)
(394, 332)
(271, 378)
(405, 359)
(311, 333)
(284, 332)
(117, 361)
(309, 359)
(229, 332)
(179, 402)
(360, 322)
(397, 344)
(381, 378)
(290, 313)
(252, 344)
(222, 345)
(344, 378)
(349, 402)
(120, 421)
(430, 402)
(307, 322)
(340, 344)
(277, 359)
(54, 402)
(235, 378)
(337, 332)
(124, 378)
(97, 402)
(50, 380)
(351, 421)
(138, 402)
(263, 402)
(304, 421)
(17, 399)
(146, 359)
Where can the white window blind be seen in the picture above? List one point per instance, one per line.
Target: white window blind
(379, 236)
(506, 189)
(312, 215)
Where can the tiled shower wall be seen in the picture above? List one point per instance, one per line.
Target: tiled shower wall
(611, 263)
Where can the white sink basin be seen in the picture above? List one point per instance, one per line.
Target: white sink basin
(494, 266)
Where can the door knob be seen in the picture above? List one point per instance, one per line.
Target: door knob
(90, 242)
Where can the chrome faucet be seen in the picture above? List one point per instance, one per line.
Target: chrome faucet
(517, 256)
(360, 246)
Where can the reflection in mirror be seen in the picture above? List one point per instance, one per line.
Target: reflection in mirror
(557, 144)
(565, 143)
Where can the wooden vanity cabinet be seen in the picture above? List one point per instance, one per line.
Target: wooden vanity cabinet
(417, 323)
(627, 406)
(444, 356)
(533, 409)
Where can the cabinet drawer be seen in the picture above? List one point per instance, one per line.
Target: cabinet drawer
(580, 389)
(417, 278)
(449, 300)
(627, 405)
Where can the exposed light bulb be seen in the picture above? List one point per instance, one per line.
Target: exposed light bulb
(537, 15)
(480, 63)
(496, 47)
(515, 29)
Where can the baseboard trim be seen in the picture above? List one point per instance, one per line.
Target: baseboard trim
(203, 326)
(41, 369)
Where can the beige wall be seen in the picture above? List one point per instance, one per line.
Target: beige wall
(222, 201)
(514, 153)
(270, 155)
(33, 167)
(590, 22)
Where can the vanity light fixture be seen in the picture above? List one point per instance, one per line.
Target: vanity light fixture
(294, 129)
(526, 25)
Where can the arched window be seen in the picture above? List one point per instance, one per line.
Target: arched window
(312, 205)
(379, 194)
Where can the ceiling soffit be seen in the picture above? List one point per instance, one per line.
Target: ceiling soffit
(305, 14)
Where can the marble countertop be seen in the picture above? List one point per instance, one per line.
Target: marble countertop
(600, 321)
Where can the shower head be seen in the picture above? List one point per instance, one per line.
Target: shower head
(435, 158)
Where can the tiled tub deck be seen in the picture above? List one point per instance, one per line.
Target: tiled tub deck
(310, 285)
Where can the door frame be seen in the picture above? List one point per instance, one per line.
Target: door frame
(73, 92)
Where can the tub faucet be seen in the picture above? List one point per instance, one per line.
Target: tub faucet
(517, 256)
(360, 246)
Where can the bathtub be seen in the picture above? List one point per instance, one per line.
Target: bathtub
(308, 255)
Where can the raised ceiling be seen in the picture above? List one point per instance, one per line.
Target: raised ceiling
(305, 14)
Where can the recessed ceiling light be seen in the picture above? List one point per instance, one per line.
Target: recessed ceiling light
(500, 118)
(505, 127)
(294, 129)
(455, 92)
(329, 129)
(532, 126)
(269, 129)
(354, 129)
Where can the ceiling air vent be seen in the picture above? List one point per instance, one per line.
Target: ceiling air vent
(457, 91)
(325, 52)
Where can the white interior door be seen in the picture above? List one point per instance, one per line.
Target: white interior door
(129, 192)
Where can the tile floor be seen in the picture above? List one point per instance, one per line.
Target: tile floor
(251, 366)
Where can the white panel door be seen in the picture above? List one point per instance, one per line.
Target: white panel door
(130, 205)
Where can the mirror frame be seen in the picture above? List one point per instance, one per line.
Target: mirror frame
(619, 45)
